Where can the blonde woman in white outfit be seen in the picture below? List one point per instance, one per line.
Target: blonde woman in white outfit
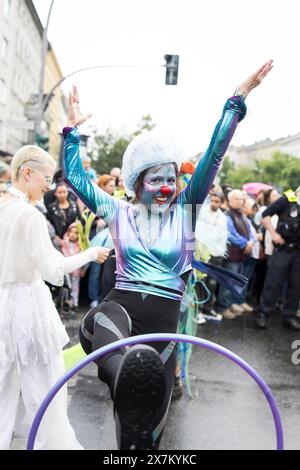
(31, 333)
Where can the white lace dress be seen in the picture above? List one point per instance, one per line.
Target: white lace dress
(31, 333)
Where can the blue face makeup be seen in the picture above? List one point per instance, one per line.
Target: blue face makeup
(155, 179)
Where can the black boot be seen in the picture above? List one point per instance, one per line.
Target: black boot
(261, 321)
(140, 390)
(292, 323)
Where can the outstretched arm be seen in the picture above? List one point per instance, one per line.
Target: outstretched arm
(234, 111)
(97, 200)
(201, 181)
(50, 263)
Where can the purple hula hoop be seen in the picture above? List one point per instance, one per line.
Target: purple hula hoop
(157, 338)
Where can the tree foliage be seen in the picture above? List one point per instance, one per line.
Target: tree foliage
(282, 171)
(226, 170)
(144, 124)
(108, 148)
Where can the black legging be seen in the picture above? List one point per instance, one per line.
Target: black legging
(123, 314)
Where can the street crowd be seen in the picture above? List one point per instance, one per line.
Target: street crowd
(262, 244)
(254, 232)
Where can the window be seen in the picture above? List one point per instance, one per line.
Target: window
(4, 47)
(7, 5)
(2, 91)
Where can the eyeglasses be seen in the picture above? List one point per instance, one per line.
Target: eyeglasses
(48, 179)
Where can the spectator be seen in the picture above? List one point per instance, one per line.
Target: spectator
(63, 211)
(251, 258)
(115, 173)
(213, 221)
(49, 197)
(5, 174)
(187, 169)
(89, 171)
(70, 247)
(284, 264)
(241, 244)
(31, 333)
(226, 190)
(107, 183)
(265, 198)
(120, 189)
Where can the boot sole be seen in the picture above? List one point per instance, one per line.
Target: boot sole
(139, 395)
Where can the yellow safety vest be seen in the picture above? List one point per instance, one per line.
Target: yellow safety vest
(291, 196)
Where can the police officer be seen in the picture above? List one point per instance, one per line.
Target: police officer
(285, 262)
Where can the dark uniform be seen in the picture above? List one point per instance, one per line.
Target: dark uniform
(284, 264)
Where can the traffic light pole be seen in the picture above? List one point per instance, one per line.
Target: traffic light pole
(48, 97)
(44, 100)
(172, 66)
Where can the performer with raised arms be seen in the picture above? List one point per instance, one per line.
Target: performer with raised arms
(154, 243)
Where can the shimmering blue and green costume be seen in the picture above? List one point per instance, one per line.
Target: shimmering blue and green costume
(150, 280)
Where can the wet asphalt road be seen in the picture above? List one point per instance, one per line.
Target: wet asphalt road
(228, 410)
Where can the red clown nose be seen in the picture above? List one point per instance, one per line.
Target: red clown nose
(165, 190)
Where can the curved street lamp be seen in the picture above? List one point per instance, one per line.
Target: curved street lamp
(44, 100)
(39, 114)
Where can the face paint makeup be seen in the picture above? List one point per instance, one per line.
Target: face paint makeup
(159, 186)
(165, 190)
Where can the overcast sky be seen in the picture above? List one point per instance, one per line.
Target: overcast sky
(219, 42)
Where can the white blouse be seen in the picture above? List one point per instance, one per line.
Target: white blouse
(212, 231)
(26, 250)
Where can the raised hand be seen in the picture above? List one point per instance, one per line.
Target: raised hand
(75, 116)
(255, 79)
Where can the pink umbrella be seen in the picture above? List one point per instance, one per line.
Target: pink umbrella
(254, 188)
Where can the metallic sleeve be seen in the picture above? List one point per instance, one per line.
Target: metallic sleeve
(91, 195)
(202, 180)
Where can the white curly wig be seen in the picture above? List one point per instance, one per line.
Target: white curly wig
(148, 149)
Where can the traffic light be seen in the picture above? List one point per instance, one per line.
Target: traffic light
(42, 141)
(172, 65)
